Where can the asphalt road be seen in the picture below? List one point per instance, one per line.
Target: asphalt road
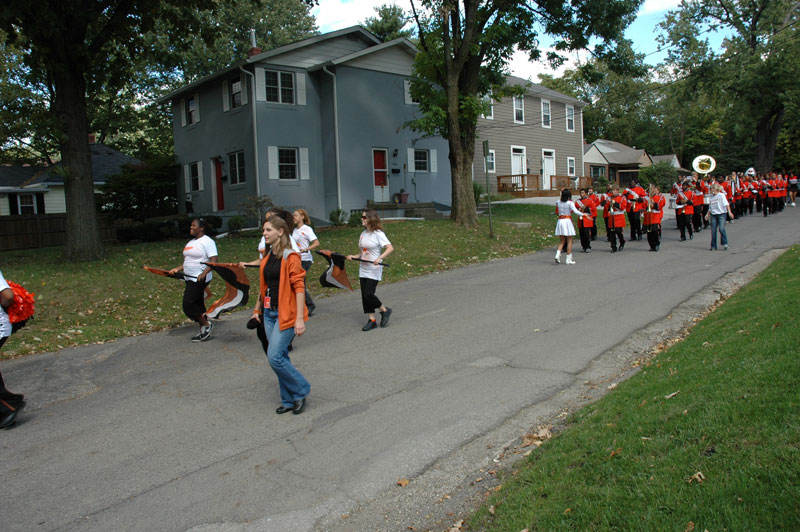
(158, 433)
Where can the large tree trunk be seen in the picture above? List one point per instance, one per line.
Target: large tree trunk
(83, 236)
(767, 130)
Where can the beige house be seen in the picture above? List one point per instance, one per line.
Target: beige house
(614, 161)
(535, 141)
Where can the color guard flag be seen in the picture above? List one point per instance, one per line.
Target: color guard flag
(237, 288)
(334, 276)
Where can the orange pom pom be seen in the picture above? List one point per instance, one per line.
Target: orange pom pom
(23, 306)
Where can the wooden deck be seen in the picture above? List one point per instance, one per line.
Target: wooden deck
(532, 186)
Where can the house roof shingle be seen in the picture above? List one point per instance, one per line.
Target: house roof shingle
(534, 89)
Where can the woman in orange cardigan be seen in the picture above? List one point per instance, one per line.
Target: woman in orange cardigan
(281, 310)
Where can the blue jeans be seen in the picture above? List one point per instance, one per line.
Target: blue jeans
(718, 221)
(293, 385)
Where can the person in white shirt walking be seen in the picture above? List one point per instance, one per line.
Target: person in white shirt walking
(718, 210)
(306, 240)
(201, 248)
(374, 248)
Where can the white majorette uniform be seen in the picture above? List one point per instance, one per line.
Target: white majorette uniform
(371, 243)
(197, 251)
(5, 323)
(564, 226)
(304, 236)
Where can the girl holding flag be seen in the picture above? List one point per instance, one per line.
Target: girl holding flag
(374, 248)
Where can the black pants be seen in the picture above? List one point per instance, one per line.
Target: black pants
(766, 206)
(750, 201)
(653, 236)
(194, 304)
(706, 223)
(635, 217)
(684, 223)
(759, 203)
(594, 228)
(614, 235)
(586, 237)
(697, 218)
(369, 300)
(309, 302)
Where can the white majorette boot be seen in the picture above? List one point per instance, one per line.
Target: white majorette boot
(569, 259)
(558, 256)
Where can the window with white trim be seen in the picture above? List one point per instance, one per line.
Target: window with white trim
(287, 164)
(194, 176)
(519, 109)
(597, 171)
(192, 113)
(546, 113)
(26, 204)
(570, 118)
(570, 166)
(490, 166)
(490, 113)
(421, 161)
(236, 92)
(279, 86)
(236, 168)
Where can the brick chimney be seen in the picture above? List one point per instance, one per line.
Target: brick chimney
(254, 50)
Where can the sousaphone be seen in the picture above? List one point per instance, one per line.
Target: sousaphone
(704, 164)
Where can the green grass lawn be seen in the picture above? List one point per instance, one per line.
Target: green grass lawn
(78, 304)
(723, 407)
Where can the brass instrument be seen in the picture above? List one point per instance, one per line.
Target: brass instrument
(704, 164)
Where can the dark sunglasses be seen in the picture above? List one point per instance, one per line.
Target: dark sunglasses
(363, 217)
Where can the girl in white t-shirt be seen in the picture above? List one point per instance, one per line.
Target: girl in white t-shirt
(374, 248)
(306, 240)
(199, 249)
(10, 403)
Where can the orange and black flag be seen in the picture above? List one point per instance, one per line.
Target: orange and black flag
(334, 276)
(166, 273)
(237, 288)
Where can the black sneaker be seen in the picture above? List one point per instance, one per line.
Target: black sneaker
(205, 332)
(385, 317)
(369, 326)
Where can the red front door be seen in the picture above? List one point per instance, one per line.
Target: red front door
(220, 197)
(380, 173)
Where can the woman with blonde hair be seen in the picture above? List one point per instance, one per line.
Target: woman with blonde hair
(281, 311)
(306, 240)
(374, 248)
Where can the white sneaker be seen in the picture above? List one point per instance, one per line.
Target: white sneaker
(558, 257)
(793, 204)
(569, 259)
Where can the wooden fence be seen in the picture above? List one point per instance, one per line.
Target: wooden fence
(531, 185)
(28, 231)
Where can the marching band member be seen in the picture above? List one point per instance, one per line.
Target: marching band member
(614, 212)
(737, 196)
(585, 223)
(685, 211)
(604, 201)
(652, 217)
(781, 192)
(595, 201)
(564, 228)
(636, 204)
(698, 193)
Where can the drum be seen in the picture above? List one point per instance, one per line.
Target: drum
(706, 199)
(672, 204)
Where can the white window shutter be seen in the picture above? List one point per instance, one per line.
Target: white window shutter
(272, 159)
(301, 88)
(187, 178)
(244, 89)
(182, 111)
(261, 85)
(407, 91)
(197, 107)
(226, 96)
(200, 175)
(411, 160)
(304, 170)
(434, 161)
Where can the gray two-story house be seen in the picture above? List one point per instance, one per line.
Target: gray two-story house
(316, 124)
(532, 138)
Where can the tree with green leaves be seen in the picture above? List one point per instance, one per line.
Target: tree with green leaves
(74, 46)
(465, 47)
(755, 74)
(389, 23)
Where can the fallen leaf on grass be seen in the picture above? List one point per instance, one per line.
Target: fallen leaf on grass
(673, 394)
(612, 386)
(615, 452)
(690, 527)
(491, 509)
(568, 510)
(456, 526)
(403, 482)
(699, 477)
